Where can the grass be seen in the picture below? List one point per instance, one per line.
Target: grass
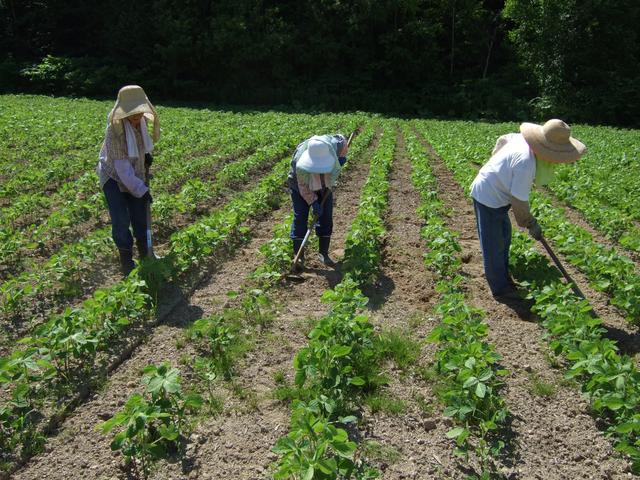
(384, 403)
(540, 388)
(423, 404)
(377, 452)
(398, 346)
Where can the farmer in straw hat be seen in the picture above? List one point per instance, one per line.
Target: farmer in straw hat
(125, 153)
(314, 170)
(518, 161)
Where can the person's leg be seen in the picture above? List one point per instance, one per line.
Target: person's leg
(119, 213)
(491, 231)
(324, 229)
(506, 230)
(138, 217)
(299, 224)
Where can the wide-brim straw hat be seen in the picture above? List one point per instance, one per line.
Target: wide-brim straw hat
(133, 100)
(553, 141)
(319, 157)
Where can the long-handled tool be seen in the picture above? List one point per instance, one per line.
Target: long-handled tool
(313, 222)
(566, 275)
(150, 252)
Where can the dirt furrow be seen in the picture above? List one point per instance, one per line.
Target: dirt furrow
(107, 271)
(554, 435)
(238, 444)
(413, 443)
(78, 451)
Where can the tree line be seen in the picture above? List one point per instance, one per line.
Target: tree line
(576, 59)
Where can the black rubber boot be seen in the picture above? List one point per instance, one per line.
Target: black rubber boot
(142, 248)
(323, 249)
(297, 243)
(126, 261)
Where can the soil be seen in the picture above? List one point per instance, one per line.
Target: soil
(550, 433)
(553, 437)
(413, 443)
(106, 271)
(236, 444)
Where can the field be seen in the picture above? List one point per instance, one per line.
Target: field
(398, 364)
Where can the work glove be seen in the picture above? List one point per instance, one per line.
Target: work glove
(317, 209)
(147, 197)
(534, 230)
(148, 160)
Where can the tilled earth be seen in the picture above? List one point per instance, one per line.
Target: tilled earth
(551, 437)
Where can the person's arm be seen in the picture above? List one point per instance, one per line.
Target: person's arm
(522, 212)
(522, 181)
(128, 177)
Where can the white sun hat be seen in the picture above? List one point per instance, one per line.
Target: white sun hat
(131, 101)
(319, 157)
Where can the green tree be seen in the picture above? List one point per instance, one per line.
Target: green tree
(584, 55)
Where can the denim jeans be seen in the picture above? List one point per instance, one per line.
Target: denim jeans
(324, 228)
(494, 230)
(125, 210)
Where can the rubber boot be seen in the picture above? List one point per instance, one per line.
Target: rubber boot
(142, 248)
(126, 261)
(297, 243)
(323, 251)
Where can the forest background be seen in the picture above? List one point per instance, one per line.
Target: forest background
(513, 60)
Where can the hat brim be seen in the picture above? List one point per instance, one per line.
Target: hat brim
(315, 164)
(552, 152)
(129, 110)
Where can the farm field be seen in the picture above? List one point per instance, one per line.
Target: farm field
(397, 364)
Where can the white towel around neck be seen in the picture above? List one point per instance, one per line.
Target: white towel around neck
(132, 144)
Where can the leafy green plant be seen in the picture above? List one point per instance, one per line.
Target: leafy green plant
(316, 449)
(154, 423)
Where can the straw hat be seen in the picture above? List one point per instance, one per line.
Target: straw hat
(319, 157)
(553, 141)
(131, 101)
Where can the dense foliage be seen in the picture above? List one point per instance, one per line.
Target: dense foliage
(445, 57)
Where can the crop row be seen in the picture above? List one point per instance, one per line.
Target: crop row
(610, 381)
(61, 274)
(468, 368)
(77, 201)
(606, 269)
(606, 173)
(339, 364)
(66, 348)
(218, 339)
(74, 131)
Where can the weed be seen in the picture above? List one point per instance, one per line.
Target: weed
(383, 403)
(425, 407)
(539, 387)
(380, 453)
(400, 347)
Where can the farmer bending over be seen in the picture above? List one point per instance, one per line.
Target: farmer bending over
(314, 170)
(518, 160)
(124, 156)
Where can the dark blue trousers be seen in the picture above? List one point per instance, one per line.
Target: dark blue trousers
(494, 230)
(324, 227)
(125, 210)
